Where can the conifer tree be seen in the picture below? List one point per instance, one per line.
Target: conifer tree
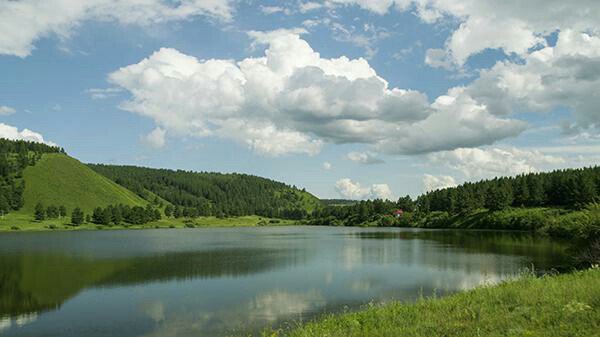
(40, 212)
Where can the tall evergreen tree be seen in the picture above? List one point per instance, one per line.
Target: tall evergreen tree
(40, 212)
(77, 216)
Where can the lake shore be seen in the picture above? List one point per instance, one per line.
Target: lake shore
(563, 305)
(25, 223)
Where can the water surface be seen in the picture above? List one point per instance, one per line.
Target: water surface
(230, 281)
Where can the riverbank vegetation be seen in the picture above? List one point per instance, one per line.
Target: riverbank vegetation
(564, 305)
(560, 203)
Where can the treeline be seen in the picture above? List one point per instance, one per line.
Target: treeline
(565, 189)
(570, 188)
(112, 214)
(212, 194)
(15, 156)
(376, 212)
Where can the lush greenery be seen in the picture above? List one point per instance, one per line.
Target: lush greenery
(196, 194)
(560, 203)
(572, 188)
(565, 305)
(60, 180)
(16, 156)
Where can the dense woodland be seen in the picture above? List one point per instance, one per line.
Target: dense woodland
(195, 194)
(571, 189)
(15, 156)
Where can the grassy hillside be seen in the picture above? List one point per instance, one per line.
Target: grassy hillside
(565, 305)
(58, 179)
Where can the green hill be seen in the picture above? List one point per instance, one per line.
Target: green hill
(209, 193)
(57, 179)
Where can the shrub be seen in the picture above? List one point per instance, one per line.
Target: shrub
(15, 228)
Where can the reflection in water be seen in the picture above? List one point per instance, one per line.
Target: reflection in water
(35, 283)
(214, 282)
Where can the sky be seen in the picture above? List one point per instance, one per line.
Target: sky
(350, 99)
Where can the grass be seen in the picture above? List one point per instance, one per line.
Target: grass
(564, 305)
(58, 179)
(21, 222)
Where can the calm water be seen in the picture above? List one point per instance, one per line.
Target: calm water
(215, 282)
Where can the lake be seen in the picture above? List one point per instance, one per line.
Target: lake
(231, 281)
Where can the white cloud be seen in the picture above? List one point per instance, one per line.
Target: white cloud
(438, 58)
(476, 164)
(309, 6)
(513, 26)
(432, 183)
(376, 6)
(367, 158)
(155, 139)
(6, 110)
(353, 190)
(291, 100)
(566, 75)
(275, 9)
(102, 93)
(13, 133)
(326, 165)
(24, 22)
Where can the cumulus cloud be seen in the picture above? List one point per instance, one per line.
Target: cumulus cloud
(13, 133)
(367, 158)
(326, 165)
(478, 164)
(512, 26)
(6, 110)
(155, 139)
(292, 100)
(353, 190)
(432, 183)
(24, 22)
(565, 75)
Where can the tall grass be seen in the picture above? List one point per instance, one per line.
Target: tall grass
(565, 305)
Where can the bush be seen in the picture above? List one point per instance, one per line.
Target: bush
(15, 228)
(190, 225)
(171, 226)
(274, 221)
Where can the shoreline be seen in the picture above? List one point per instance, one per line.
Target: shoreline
(550, 305)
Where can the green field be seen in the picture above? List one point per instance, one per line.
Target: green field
(58, 179)
(551, 306)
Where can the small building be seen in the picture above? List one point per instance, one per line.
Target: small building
(398, 213)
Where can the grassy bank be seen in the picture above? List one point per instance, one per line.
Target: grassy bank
(565, 305)
(24, 222)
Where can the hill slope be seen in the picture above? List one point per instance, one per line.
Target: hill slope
(57, 179)
(207, 193)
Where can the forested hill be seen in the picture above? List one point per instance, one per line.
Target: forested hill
(203, 193)
(15, 156)
(571, 188)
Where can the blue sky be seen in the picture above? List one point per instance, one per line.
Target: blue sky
(402, 97)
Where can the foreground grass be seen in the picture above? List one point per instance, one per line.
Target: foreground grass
(24, 222)
(565, 305)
